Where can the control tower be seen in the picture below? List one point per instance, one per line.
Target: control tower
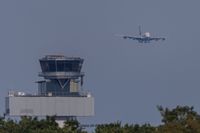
(60, 93)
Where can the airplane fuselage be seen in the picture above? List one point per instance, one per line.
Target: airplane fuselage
(144, 40)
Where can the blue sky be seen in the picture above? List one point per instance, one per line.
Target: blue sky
(127, 79)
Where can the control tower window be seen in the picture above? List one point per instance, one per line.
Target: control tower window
(75, 66)
(67, 66)
(52, 66)
(60, 66)
(44, 66)
(48, 66)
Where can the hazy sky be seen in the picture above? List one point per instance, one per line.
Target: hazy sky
(127, 79)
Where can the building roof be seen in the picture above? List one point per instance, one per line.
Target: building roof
(59, 57)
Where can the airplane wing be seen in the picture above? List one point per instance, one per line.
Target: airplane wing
(157, 38)
(130, 37)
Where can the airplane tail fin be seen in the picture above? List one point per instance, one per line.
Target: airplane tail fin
(140, 32)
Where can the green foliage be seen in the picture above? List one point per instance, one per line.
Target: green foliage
(33, 125)
(109, 128)
(179, 120)
(179, 114)
(118, 128)
(72, 126)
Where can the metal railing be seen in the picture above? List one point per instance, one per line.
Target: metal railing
(61, 74)
(49, 94)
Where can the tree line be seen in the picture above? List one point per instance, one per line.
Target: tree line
(182, 119)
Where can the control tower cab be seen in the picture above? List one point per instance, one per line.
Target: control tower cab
(63, 76)
(59, 94)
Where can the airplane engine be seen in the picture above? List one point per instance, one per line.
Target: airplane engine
(147, 34)
(125, 37)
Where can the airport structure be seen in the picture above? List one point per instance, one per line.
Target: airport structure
(59, 94)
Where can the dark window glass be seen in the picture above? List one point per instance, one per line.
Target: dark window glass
(60, 66)
(52, 66)
(44, 66)
(67, 66)
(75, 66)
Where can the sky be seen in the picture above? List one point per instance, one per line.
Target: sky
(127, 79)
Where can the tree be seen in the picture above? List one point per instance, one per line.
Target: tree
(118, 128)
(182, 119)
(109, 128)
(72, 126)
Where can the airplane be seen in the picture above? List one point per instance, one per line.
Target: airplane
(143, 38)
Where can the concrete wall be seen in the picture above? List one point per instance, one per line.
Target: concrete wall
(43, 106)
